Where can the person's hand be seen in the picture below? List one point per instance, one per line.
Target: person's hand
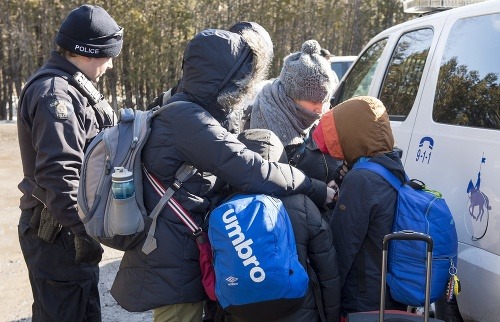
(158, 101)
(343, 170)
(340, 173)
(88, 250)
(333, 185)
(330, 195)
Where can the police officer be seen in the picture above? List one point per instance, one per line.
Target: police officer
(56, 121)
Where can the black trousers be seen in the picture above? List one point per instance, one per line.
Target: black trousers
(62, 290)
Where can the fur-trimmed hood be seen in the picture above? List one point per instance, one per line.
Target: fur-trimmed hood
(220, 67)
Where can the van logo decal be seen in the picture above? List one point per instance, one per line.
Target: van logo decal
(425, 149)
(478, 207)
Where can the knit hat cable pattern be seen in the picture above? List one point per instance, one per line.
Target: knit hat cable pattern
(308, 76)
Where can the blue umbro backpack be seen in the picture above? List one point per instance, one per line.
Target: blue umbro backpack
(257, 271)
(421, 210)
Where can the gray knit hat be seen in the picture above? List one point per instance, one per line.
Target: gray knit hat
(307, 75)
(90, 31)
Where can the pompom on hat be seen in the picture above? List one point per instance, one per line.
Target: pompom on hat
(307, 75)
(90, 31)
(326, 53)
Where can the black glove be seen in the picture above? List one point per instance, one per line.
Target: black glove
(88, 250)
(158, 101)
(339, 173)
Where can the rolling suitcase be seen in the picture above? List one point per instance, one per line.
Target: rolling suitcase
(393, 315)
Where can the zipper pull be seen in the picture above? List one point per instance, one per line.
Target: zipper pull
(134, 142)
(108, 165)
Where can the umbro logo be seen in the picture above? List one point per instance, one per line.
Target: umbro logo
(232, 280)
(242, 245)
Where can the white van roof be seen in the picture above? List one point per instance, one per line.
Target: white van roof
(480, 8)
(428, 6)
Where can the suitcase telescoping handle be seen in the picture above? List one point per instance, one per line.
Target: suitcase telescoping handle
(407, 235)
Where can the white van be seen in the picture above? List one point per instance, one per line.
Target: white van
(439, 77)
(341, 64)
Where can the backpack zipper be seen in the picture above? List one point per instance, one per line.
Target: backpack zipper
(107, 153)
(95, 142)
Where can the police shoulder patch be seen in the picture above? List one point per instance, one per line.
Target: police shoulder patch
(61, 109)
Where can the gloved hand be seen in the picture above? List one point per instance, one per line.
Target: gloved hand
(157, 102)
(340, 173)
(88, 250)
(332, 184)
(330, 195)
(162, 98)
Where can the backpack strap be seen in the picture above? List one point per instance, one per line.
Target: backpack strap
(104, 113)
(382, 171)
(185, 172)
(156, 110)
(221, 315)
(317, 291)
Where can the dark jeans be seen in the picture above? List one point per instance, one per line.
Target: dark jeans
(62, 290)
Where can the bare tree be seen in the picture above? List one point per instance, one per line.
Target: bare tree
(156, 32)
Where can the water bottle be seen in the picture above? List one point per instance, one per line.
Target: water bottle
(122, 183)
(124, 216)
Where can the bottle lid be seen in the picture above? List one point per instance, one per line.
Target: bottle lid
(121, 175)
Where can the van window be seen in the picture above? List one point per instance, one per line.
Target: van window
(468, 87)
(404, 73)
(341, 67)
(360, 77)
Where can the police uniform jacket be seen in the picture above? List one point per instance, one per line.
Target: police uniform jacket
(55, 124)
(190, 132)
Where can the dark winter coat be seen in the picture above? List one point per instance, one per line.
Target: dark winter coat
(55, 123)
(362, 217)
(355, 130)
(313, 238)
(315, 245)
(217, 64)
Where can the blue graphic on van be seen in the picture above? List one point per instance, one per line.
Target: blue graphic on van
(425, 150)
(477, 221)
